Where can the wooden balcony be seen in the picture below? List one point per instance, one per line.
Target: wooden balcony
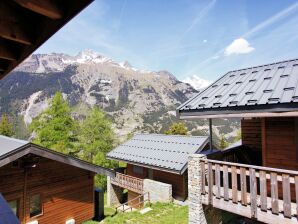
(265, 194)
(131, 183)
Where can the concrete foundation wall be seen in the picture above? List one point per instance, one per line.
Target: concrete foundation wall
(114, 194)
(158, 191)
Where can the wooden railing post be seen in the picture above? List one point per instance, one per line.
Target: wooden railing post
(274, 193)
(226, 182)
(296, 191)
(253, 193)
(234, 185)
(263, 190)
(210, 184)
(243, 186)
(217, 180)
(203, 177)
(286, 195)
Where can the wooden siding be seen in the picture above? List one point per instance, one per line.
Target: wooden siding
(251, 133)
(178, 182)
(280, 143)
(66, 191)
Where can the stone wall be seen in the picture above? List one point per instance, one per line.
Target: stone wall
(114, 193)
(196, 211)
(158, 191)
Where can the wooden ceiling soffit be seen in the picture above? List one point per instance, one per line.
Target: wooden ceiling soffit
(12, 26)
(42, 7)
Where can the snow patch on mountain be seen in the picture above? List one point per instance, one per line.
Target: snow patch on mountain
(197, 82)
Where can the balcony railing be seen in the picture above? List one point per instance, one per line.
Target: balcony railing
(131, 183)
(266, 194)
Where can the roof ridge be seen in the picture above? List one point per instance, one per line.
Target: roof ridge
(188, 136)
(263, 65)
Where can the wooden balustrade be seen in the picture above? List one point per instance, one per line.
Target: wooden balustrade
(266, 194)
(131, 183)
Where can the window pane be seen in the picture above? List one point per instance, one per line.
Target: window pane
(35, 205)
(14, 206)
(138, 169)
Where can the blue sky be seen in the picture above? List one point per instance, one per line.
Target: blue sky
(205, 38)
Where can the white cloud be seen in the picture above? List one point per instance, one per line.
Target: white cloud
(197, 82)
(238, 46)
(205, 41)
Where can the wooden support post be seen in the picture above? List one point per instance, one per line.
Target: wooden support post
(210, 134)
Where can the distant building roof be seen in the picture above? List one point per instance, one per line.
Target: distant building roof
(267, 88)
(165, 152)
(9, 144)
(234, 145)
(12, 149)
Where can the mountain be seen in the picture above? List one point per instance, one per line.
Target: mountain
(197, 82)
(136, 100)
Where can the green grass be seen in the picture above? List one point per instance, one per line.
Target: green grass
(161, 214)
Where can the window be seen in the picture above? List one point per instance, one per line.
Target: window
(14, 206)
(35, 205)
(137, 169)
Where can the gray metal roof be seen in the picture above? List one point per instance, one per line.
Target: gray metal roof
(234, 145)
(271, 87)
(9, 144)
(166, 152)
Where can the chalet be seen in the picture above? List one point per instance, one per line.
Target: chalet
(41, 185)
(263, 184)
(158, 157)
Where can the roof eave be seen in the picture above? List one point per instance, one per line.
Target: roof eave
(147, 166)
(267, 110)
(31, 148)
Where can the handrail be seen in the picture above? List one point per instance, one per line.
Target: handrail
(269, 169)
(140, 202)
(129, 182)
(250, 186)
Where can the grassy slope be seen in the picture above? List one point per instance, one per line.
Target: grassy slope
(161, 214)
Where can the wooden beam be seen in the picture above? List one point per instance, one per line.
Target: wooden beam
(12, 25)
(7, 51)
(14, 32)
(46, 8)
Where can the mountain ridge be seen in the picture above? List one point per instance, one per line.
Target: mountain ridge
(136, 100)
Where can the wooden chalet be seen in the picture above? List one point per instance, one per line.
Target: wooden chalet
(26, 24)
(260, 180)
(157, 157)
(44, 186)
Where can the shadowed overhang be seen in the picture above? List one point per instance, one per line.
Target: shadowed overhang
(26, 24)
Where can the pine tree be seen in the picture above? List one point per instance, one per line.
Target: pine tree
(178, 128)
(5, 126)
(96, 140)
(55, 128)
(223, 142)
